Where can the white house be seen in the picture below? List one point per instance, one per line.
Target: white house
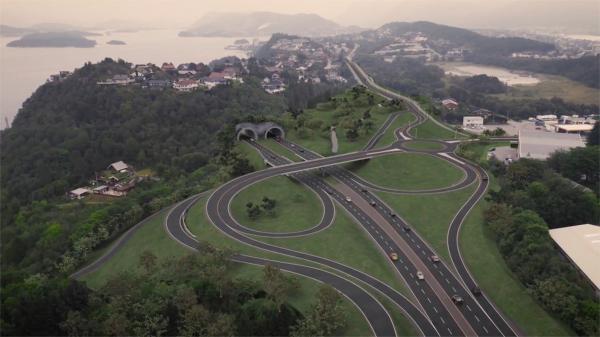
(472, 122)
(79, 193)
(119, 166)
(185, 85)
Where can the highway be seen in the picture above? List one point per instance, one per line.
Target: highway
(502, 325)
(434, 313)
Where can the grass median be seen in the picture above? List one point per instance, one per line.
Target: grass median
(409, 171)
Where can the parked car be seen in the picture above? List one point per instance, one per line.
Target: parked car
(457, 299)
(420, 275)
(394, 256)
(435, 258)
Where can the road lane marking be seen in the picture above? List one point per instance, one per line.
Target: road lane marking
(428, 300)
(435, 309)
(442, 319)
(477, 318)
(453, 289)
(468, 307)
(485, 329)
(447, 281)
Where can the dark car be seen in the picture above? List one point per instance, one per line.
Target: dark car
(406, 229)
(476, 291)
(364, 190)
(372, 203)
(393, 215)
(457, 299)
(302, 150)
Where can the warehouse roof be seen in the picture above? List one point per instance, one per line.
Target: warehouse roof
(582, 245)
(540, 144)
(574, 127)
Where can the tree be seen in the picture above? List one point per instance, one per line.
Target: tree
(352, 134)
(253, 211)
(277, 286)
(268, 204)
(325, 318)
(148, 261)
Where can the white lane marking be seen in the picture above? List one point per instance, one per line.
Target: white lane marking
(423, 291)
(477, 318)
(468, 307)
(447, 281)
(441, 273)
(435, 266)
(428, 300)
(449, 331)
(442, 319)
(435, 309)
(485, 329)
(418, 246)
(411, 275)
(405, 267)
(453, 289)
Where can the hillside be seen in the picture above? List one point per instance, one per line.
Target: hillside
(263, 24)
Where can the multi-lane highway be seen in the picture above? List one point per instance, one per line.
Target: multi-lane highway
(433, 313)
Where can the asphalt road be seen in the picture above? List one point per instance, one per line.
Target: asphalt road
(501, 324)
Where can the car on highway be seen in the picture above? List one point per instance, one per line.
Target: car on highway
(476, 291)
(420, 275)
(457, 299)
(348, 199)
(484, 178)
(393, 215)
(372, 203)
(406, 229)
(329, 191)
(394, 256)
(364, 190)
(434, 258)
(301, 150)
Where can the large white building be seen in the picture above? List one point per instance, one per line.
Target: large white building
(541, 144)
(472, 121)
(581, 244)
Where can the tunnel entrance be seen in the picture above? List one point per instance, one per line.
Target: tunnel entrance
(246, 134)
(274, 132)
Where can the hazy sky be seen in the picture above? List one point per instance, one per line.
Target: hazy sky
(366, 13)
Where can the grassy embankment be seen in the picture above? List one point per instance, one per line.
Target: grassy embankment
(389, 137)
(423, 145)
(410, 171)
(341, 113)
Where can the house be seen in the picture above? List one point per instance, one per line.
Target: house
(100, 189)
(168, 67)
(119, 166)
(185, 85)
(450, 103)
(79, 193)
(273, 85)
(230, 73)
(120, 79)
(214, 79)
(473, 122)
(159, 84)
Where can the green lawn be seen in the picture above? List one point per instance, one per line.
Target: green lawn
(430, 215)
(297, 207)
(251, 154)
(423, 145)
(389, 137)
(430, 130)
(411, 171)
(480, 253)
(477, 151)
(151, 237)
(347, 243)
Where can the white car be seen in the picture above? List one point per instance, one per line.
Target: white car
(348, 199)
(420, 275)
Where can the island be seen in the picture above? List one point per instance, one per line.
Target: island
(116, 42)
(53, 40)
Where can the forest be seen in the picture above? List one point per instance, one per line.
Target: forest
(193, 295)
(532, 199)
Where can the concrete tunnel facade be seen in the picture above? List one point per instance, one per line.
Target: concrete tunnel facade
(258, 130)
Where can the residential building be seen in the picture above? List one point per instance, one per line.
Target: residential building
(186, 85)
(119, 166)
(79, 193)
(540, 144)
(120, 79)
(159, 84)
(450, 103)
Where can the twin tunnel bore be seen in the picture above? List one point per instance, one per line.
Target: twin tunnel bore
(258, 130)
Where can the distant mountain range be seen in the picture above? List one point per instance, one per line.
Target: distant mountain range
(13, 31)
(264, 24)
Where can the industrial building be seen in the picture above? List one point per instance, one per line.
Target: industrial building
(540, 144)
(581, 245)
